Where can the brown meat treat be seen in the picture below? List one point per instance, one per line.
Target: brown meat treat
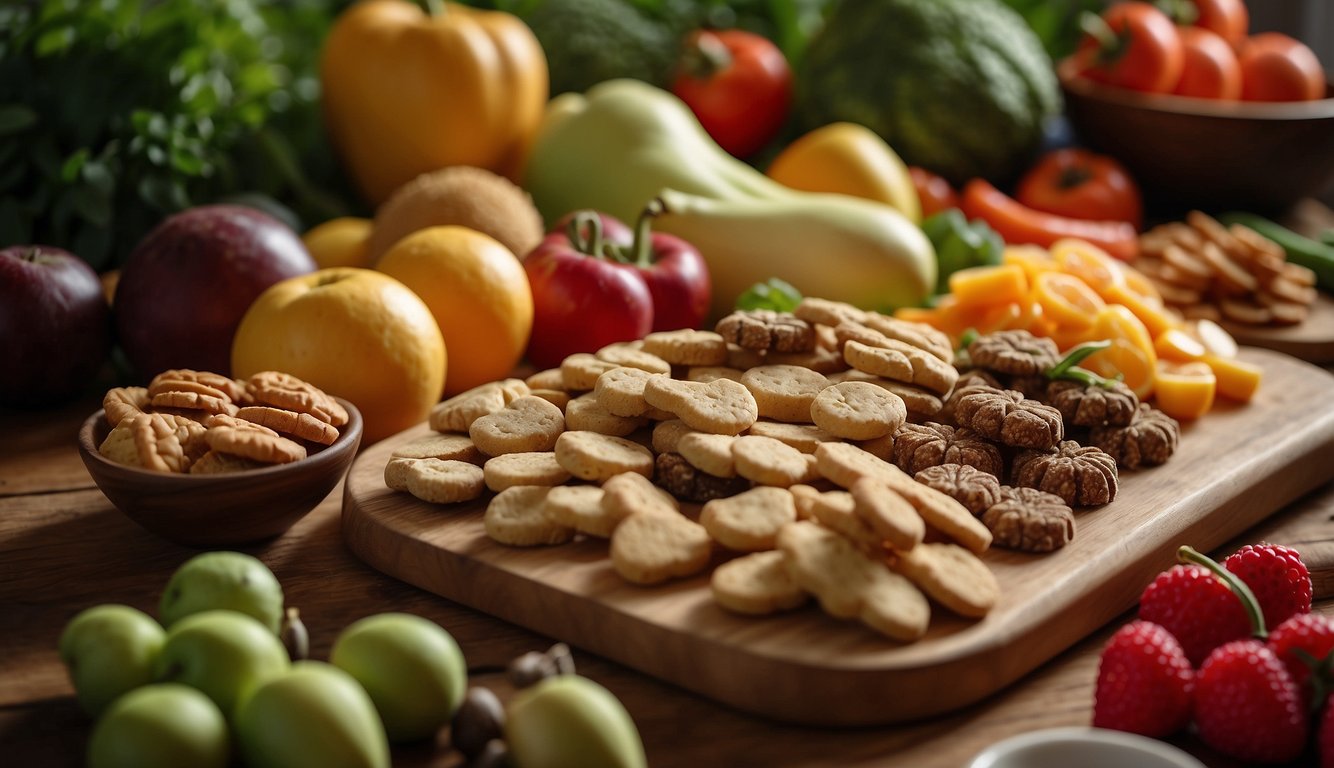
(918, 446)
(1014, 352)
(763, 329)
(971, 487)
(1091, 405)
(1082, 476)
(679, 478)
(974, 378)
(1029, 520)
(1008, 417)
(1149, 439)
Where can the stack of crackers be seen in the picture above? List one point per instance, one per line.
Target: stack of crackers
(199, 422)
(752, 447)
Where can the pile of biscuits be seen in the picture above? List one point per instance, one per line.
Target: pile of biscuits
(199, 422)
(1209, 271)
(752, 447)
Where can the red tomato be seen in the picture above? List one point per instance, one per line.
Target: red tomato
(1016, 223)
(1275, 67)
(1135, 46)
(1080, 184)
(1228, 19)
(738, 84)
(1211, 69)
(933, 190)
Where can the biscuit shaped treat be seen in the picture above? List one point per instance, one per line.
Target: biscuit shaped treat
(526, 423)
(756, 584)
(722, 406)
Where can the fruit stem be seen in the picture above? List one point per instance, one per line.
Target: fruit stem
(705, 56)
(592, 244)
(1067, 369)
(435, 8)
(641, 250)
(1251, 605)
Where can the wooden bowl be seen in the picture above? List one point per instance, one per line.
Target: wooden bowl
(1201, 153)
(224, 509)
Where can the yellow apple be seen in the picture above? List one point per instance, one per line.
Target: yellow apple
(355, 333)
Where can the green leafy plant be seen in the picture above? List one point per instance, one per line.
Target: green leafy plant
(116, 114)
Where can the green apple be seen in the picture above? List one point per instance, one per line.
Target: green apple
(314, 716)
(165, 725)
(109, 650)
(568, 721)
(223, 653)
(411, 667)
(231, 580)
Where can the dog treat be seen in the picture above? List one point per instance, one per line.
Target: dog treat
(667, 435)
(687, 347)
(1082, 476)
(1029, 520)
(857, 410)
(290, 423)
(443, 482)
(630, 493)
(620, 391)
(633, 355)
(804, 437)
(526, 423)
(756, 584)
(517, 517)
(440, 446)
(901, 362)
(749, 521)
(1092, 405)
(122, 402)
(1014, 353)
(837, 511)
(1148, 440)
(1008, 417)
(766, 461)
(550, 378)
(459, 412)
(919, 446)
(580, 507)
(218, 463)
(533, 468)
(598, 457)
(893, 518)
(284, 390)
(970, 486)
(682, 480)
(828, 313)
(763, 329)
(254, 445)
(709, 453)
(950, 575)
(919, 402)
(649, 548)
(707, 373)
(586, 413)
(396, 472)
(193, 401)
(580, 372)
(721, 406)
(784, 392)
(850, 585)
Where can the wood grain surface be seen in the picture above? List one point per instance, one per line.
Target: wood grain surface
(1233, 469)
(64, 547)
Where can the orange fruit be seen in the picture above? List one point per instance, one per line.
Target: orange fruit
(1184, 390)
(989, 285)
(1067, 300)
(477, 291)
(355, 333)
(1237, 380)
(341, 242)
(1131, 354)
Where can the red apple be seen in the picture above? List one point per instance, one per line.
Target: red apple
(186, 285)
(55, 327)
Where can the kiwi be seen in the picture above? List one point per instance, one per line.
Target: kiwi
(462, 195)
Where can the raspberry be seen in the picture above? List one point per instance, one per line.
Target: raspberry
(1277, 576)
(1196, 607)
(1313, 635)
(1144, 682)
(1247, 706)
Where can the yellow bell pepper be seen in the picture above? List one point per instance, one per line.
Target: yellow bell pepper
(848, 159)
(405, 92)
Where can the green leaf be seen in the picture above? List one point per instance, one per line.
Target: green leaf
(15, 118)
(73, 164)
(774, 294)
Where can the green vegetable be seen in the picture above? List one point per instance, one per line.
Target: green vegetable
(778, 295)
(1056, 22)
(961, 244)
(588, 41)
(1312, 254)
(961, 87)
(116, 114)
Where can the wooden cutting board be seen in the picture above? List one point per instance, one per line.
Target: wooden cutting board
(1233, 469)
(1311, 340)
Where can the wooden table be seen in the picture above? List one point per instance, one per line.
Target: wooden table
(63, 547)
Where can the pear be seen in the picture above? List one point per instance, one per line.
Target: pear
(568, 721)
(222, 653)
(231, 580)
(314, 716)
(164, 725)
(108, 651)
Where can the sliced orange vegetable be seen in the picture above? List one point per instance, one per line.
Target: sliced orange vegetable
(1089, 263)
(1150, 311)
(1176, 344)
(1131, 353)
(1030, 258)
(1237, 380)
(989, 285)
(1138, 283)
(1067, 300)
(1184, 390)
(1216, 340)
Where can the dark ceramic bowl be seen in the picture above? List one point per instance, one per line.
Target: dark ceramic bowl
(225, 509)
(1200, 153)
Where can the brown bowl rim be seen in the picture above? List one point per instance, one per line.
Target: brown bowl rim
(1319, 109)
(349, 437)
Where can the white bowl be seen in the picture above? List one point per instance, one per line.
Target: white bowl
(1083, 747)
